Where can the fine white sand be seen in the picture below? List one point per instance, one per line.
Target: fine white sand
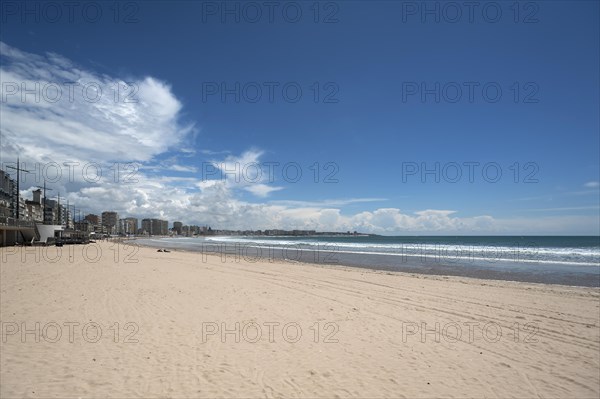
(324, 331)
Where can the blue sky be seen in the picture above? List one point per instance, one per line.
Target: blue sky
(374, 120)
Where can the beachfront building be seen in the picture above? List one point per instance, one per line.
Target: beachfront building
(70, 218)
(50, 211)
(155, 227)
(146, 226)
(190, 231)
(7, 188)
(93, 219)
(100, 229)
(132, 225)
(34, 208)
(33, 211)
(110, 220)
(84, 225)
(56, 213)
(12, 229)
(128, 225)
(94, 222)
(9, 198)
(177, 228)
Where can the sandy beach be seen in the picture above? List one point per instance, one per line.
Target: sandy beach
(110, 320)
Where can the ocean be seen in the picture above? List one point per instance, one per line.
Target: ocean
(570, 260)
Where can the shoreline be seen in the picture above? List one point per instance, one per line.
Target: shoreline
(39, 253)
(576, 276)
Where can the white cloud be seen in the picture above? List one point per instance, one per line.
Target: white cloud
(592, 184)
(393, 221)
(212, 153)
(261, 190)
(245, 172)
(79, 115)
(326, 203)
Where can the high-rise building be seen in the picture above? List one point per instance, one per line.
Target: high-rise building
(84, 225)
(146, 226)
(178, 227)
(55, 213)
(34, 207)
(37, 196)
(8, 188)
(93, 219)
(34, 211)
(50, 211)
(130, 226)
(155, 227)
(110, 220)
